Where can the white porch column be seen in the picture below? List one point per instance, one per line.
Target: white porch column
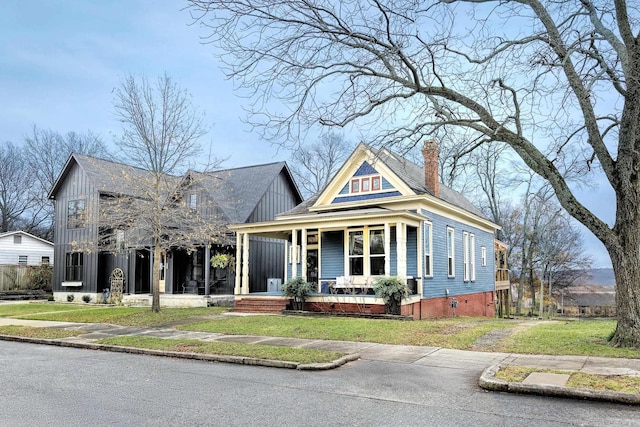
(244, 289)
(420, 243)
(387, 249)
(401, 247)
(294, 253)
(236, 289)
(286, 261)
(303, 258)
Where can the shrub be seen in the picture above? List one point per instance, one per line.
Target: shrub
(70, 297)
(40, 277)
(392, 290)
(86, 298)
(298, 290)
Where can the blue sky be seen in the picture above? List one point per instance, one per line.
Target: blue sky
(61, 60)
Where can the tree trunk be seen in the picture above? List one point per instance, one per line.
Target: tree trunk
(155, 301)
(627, 274)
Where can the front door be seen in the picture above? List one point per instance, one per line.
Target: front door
(312, 266)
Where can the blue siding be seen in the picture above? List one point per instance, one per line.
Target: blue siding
(370, 196)
(345, 189)
(331, 254)
(386, 185)
(485, 281)
(365, 169)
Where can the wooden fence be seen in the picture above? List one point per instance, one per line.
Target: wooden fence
(25, 277)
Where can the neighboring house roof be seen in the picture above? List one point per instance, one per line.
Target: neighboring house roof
(590, 299)
(24, 233)
(111, 177)
(238, 191)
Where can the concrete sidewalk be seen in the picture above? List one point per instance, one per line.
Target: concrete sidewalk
(542, 384)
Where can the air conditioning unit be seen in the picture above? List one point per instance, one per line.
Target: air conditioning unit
(274, 284)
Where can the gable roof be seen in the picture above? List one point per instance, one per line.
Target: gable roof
(238, 191)
(24, 233)
(411, 174)
(110, 177)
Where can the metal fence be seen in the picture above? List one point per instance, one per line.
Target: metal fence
(25, 277)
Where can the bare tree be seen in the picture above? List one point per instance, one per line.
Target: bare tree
(46, 152)
(559, 82)
(315, 164)
(161, 135)
(15, 198)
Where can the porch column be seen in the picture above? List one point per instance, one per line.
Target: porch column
(236, 289)
(401, 247)
(303, 260)
(207, 266)
(245, 264)
(387, 249)
(294, 253)
(286, 261)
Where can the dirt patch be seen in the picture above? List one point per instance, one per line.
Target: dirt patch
(493, 338)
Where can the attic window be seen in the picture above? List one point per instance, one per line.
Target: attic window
(365, 184)
(193, 201)
(17, 239)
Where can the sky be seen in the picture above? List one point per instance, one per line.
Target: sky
(60, 61)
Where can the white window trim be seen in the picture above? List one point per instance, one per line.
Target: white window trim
(428, 240)
(483, 256)
(366, 251)
(472, 255)
(361, 179)
(451, 252)
(465, 256)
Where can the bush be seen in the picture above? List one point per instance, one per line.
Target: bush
(40, 277)
(86, 298)
(392, 290)
(70, 297)
(298, 290)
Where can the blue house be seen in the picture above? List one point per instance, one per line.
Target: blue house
(380, 215)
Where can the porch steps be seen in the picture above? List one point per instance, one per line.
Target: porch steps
(260, 305)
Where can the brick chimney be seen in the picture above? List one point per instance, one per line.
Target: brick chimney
(430, 152)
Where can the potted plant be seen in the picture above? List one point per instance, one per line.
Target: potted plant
(392, 290)
(298, 290)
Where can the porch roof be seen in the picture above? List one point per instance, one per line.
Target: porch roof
(280, 228)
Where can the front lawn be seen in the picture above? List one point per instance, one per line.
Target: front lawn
(460, 333)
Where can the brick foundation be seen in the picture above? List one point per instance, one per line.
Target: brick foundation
(338, 307)
(476, 305)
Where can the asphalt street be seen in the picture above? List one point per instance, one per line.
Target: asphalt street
(54, 386)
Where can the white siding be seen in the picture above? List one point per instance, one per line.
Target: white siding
(31, 247)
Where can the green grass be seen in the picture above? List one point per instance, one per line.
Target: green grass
(18, 310)
(459, 333)
(123, 316)
(618, 383)
(580, 338)
(31, 332)
(297, 355)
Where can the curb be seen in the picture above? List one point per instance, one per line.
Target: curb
(488, 381)
(238, 360)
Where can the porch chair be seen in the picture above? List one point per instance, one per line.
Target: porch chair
(190, 287)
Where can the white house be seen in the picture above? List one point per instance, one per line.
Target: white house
(22, 248)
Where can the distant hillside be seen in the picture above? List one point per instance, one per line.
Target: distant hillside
(599, 277)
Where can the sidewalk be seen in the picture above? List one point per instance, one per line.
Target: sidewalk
(542, 384)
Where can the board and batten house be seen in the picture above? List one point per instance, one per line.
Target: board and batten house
(22, 248)
(380, 215)
(187, 278)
